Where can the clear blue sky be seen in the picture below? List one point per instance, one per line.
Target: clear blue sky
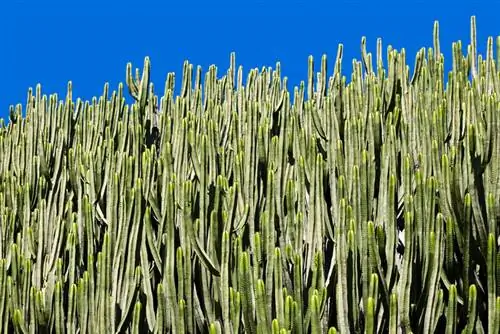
(90, 42)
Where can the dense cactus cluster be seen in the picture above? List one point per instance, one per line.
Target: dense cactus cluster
(368, 206)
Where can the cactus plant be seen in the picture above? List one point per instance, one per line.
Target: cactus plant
(368, 206)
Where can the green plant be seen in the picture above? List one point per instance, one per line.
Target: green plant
(248, 208)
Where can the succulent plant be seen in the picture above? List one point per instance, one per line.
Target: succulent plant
(368, 206)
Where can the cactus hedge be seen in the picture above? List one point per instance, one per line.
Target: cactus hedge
(370, 205)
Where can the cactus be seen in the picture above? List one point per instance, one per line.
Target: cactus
(363, 206)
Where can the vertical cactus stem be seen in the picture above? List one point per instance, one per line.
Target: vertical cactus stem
(144, 88)
(497, 315)
(473, 50)
(353, 291)
(437, 49)
(370, 316)
(491, 282)
(364, 56)
(83, 308)
(257, 250)
(136, 318)
(270, 236)
(435, 258)
(247, 297)
(466, 244)
(297, 284)
(147, 288)
(342, 297)
(405, 281)
(180, 272)
(90, 291)
(275, 327)
(261, 307)
(449, 250)
(59, 311)
(32, 310)
(71, 320)
(419, 58)
(393, 314)
(278, 288)
(391, 229)
(288, 313)
(420, 216)
(323, 77)
(161, 311)
(224, 284)
(310, 77)
(471, 310)
(451, 312)
(316, 326)
(131, 84)
(3, 289)
(19, 323)
(373, 290)
(181, 314)
(235, 301)
(491, 209)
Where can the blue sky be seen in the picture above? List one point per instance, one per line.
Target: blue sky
(90, 42)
